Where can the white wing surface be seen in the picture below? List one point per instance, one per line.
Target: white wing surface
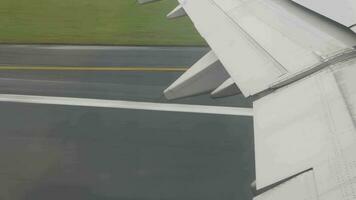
(296, 60)
(258, 41)
(341, 11)
(310, 125)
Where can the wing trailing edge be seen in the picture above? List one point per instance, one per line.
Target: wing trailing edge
(307, 123)
(258, 41)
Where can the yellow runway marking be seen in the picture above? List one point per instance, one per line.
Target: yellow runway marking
(56, 68)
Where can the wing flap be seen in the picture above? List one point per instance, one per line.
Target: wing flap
(289, 32)
(295, 127)
(249, 65)
(258, 41)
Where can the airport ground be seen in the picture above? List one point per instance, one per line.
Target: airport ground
(111, 22)
(68, 152)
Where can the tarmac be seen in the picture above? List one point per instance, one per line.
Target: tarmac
(70, 152)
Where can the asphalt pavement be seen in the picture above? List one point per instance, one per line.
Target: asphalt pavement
(66, 55)
(67, 152)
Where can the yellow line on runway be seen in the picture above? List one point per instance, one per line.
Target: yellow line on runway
(60, 68)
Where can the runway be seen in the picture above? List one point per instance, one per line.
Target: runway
(65, 55)
(70, 152)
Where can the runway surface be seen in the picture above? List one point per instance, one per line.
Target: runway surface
(69, 152)
(99, 55)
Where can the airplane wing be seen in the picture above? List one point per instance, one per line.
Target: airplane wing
(296, 60)
(341, 11)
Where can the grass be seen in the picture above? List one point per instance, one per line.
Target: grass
(113, 22)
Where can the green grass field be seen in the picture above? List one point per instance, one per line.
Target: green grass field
(116, 22)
